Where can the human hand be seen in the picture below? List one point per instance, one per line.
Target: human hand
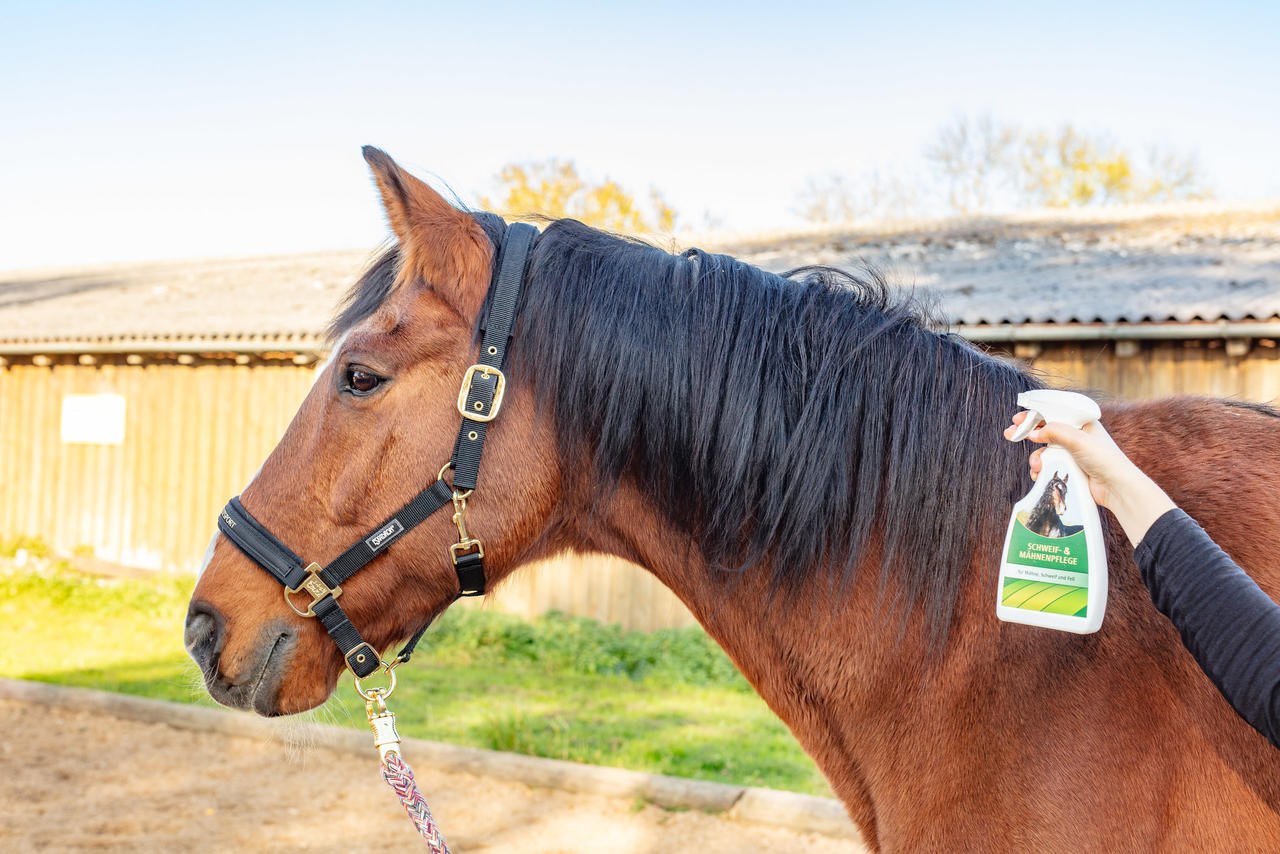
(1114, 481)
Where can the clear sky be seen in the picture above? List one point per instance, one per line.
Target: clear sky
(150, 130)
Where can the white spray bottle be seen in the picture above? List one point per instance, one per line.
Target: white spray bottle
(1053, 570)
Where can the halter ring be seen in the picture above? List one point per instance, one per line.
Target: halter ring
(374, 693)
(456, 494)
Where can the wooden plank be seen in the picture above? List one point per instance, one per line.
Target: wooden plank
(43, 398)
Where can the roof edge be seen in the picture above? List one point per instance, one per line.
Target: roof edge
(980, 332)
(995, 333)
(195, 344)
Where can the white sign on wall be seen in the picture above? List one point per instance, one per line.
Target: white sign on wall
(93, 419)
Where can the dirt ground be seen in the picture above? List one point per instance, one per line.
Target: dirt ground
(71, 781)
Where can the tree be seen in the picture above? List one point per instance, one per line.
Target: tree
(826, 198)
(973, 158)
(1173, 176)
(1066, 168)
(981, 161)
(553, 188)
(833, 198)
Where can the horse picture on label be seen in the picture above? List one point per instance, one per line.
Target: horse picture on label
(1046, 517)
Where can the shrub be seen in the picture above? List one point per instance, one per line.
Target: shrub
(582, 645)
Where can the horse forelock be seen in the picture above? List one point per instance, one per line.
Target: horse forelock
(368, 294)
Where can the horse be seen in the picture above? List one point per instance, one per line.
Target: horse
(1045, 518)
(818, 473)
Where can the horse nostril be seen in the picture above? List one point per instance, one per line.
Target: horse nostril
(203, 634)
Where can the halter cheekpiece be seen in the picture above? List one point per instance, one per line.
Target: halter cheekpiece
(479, 401)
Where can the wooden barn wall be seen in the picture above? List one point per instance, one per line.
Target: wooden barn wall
(193, 437)
(1163, 368)
(195, 434)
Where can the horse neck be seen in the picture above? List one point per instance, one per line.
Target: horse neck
(842, 665)
(836, 666)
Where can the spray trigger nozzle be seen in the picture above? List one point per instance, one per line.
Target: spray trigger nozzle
(1024, 429)
(1044, 404)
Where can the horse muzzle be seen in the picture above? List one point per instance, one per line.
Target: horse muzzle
(259, 672)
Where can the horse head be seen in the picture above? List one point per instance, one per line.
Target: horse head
(1058, 491)
(373, 431)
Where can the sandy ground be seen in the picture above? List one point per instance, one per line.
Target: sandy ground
(71, 781)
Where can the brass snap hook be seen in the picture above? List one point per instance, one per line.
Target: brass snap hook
(459, 515)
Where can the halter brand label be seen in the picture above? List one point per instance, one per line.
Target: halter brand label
(384, 536)
(231, 523)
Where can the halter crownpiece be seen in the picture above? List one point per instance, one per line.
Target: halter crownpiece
(479, 402)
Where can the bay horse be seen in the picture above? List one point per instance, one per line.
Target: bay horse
(1045, 518)
(820, 477)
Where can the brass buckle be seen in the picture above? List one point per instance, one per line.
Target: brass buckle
(314, 587)
(481, 415)
(362, 657)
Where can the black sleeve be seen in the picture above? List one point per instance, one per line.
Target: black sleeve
(1227, 623)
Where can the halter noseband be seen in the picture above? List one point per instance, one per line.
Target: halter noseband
(479, 401)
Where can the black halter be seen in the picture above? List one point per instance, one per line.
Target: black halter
(479, 401)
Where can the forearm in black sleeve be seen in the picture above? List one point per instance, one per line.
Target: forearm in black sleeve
(1227, 623)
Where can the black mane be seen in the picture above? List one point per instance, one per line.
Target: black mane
(1043, 518)
(791, 421)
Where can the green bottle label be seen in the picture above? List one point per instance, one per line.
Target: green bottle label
(1049, 574)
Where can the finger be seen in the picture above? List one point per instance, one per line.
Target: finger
(1035, 462)
(1018, 418)
(1065, 435)
(1095, 428)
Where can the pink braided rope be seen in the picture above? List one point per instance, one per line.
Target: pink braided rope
(400, 777)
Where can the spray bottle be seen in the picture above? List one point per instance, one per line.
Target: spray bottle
(1053, 571)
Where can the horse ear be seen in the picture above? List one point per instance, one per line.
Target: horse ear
(439, 244)
(1065, 476)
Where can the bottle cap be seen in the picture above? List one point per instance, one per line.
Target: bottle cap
(1044, 404)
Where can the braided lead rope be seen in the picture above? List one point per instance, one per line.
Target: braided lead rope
(400, 777)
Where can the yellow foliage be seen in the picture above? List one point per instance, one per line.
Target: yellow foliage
(553, 188)
(1068, 168)
(980, 160)
(1071, 169)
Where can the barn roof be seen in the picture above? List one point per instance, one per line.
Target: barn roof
(1178, 265)
(268, 301)
(1001, 277)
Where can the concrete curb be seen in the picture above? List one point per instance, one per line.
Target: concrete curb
(790, 810)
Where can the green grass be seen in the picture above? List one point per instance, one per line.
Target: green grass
(563, 687)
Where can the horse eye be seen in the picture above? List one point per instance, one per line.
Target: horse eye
(360, 381)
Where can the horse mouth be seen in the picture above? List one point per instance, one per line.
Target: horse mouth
(264, 703)
(260, 691)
